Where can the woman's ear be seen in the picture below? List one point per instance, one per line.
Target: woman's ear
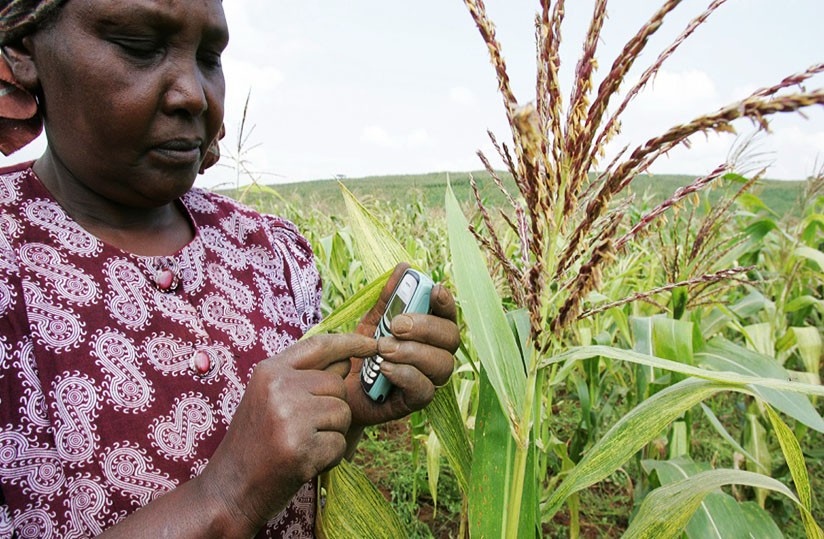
(20, 58)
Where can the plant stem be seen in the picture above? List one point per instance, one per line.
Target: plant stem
(516, 492)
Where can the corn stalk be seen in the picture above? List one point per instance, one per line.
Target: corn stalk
(565, 214)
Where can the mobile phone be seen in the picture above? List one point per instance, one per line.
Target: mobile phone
(411, 295)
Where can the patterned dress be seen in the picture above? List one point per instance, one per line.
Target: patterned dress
(119, 373)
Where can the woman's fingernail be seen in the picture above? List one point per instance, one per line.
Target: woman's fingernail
(442, 294)
(387, 346)
(387, 368)
(402, 324)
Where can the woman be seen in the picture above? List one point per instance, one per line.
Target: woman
(151, 382)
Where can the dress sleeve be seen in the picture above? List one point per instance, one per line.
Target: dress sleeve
(300, 269)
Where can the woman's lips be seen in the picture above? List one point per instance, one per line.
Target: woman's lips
(179, 151)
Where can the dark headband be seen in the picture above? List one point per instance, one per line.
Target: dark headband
(21, 17)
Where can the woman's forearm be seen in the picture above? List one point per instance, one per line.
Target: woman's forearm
(194, 509)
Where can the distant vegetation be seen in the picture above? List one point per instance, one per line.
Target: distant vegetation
(770, 313)
(778, 195)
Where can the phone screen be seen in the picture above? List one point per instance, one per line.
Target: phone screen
(395, 307)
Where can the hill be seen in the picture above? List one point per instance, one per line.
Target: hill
(779, 195)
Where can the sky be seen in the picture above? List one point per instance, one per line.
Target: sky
(373, 87)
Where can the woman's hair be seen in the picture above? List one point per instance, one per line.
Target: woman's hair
(21, 17)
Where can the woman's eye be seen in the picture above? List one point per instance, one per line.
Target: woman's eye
(140, 49)
(210, 59)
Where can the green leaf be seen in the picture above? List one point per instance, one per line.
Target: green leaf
(445, 417)
(349, 506)
(492, 470)
(519, 324)
(760, 338)
(578, 353)
(793, 456)
(380, 253)
(489, 330)
(811, 254)
(808, 341)
(811, 228)
(352, 309)
(758, 229)
(719, 515)
(377, 248)
(666, 510)
(716, 423)
(755, 440)
(801, 302)
(433, 465)
(760, 522)
(633, 431)
(744, 308)
(642, 333)
(678, 445)
(672, 339)
(650, 417)
(723, 355)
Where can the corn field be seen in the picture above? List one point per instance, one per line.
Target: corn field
(674, 347)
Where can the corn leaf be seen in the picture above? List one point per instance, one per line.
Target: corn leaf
(716, 423)
(719, 516)
(672, 339)
(666, 511)
(760, 338)
(376, 244)
(433, 466)
(376, 248)
(488, 327)
(793, 456)
(760, 520)
(350, 506)
(643, 343)
(446, 420)
(352, 309)
(640, 425)
(813, 255)
(723, 355)
(492, 470)
(808, 341)
(801, 302)
(743, 308)
(578, 353)
(755, 440)
(678, 444)
(633, 431)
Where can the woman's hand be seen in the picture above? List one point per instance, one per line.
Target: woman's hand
(417, 358)
(288, 428)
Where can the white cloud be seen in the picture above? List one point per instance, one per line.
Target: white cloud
(463, 96)
(244, 75)
(671, 91)
(799, 151)
(741, 92)
(378, 136)
(418, 137)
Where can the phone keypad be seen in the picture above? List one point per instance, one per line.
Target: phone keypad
(371, 369)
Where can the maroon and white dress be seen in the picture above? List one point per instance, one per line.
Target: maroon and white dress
(120, 373)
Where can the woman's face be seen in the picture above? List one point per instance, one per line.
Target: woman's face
(133, 93)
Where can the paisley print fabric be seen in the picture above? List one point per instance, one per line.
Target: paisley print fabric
(119, 374)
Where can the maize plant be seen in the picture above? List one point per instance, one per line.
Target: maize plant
(571, 222)
(571, 225)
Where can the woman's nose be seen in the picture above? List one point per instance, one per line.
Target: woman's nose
(186, 90)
